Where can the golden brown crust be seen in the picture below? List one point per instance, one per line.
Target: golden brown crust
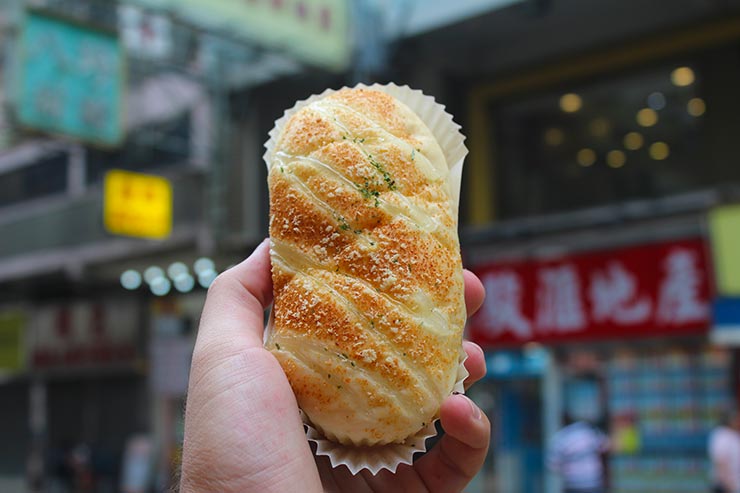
(369, 306)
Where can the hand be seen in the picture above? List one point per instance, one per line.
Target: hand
(243, 432)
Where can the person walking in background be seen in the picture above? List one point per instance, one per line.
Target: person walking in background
(724, 454)
(576, 453)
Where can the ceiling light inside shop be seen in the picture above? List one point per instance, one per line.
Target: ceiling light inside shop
(586, 157)
(131, 279)
(176, 269)
(682, 77)
(647, 117)
(599, 127)
(659, 151)
(656, 101)
(554, 136)
(571, 102)
(633, 141)
(203, 264)
(152, 273)
(160, 286)
(696, 107)
(616, 159)
(184, 283)
(206, 278)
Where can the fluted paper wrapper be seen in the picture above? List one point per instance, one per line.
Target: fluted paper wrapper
(452, 143)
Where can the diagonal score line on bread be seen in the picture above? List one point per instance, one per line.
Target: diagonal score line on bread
(369, 305)
(345, 293)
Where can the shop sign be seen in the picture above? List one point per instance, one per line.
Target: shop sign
(12, 325)
(136, 204)
(510, 364)
(169, 358)
(724, 232)
(84, 334)
(726, 321)
(144, 34)
(70, 79)
(170, 352)
(315, 31)
(656, 289)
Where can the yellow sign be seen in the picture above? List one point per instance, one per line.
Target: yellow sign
(724, 229)
(12, 324)
(138, 205)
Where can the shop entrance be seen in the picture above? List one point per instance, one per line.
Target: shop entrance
(519, 432)
(516, 460)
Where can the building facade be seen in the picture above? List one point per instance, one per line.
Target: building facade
(596, 162)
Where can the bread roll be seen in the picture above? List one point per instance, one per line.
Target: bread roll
(369, 307)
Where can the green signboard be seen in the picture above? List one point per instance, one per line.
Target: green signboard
(70, 79)
(724, 230)
(12, 324)
(314, 31)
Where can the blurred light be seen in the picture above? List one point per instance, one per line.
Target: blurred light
(656, 101)
(696, 107)
(203, 264)
(586, 157)
(571, 102)
(682, 76)
(616, 159)
(554, 136)
(206, 277)
(160, 286)
(131, 279)
(647, 117)
(152, 273)
(176, 269)
(184, 283)
(633, 141)
(500, 363)
(659, 151)
(599, 127)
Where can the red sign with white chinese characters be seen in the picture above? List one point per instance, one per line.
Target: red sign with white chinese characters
(656, 289)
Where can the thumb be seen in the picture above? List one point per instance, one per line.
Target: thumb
(233, 314)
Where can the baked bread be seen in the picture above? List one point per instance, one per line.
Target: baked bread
(369, 307)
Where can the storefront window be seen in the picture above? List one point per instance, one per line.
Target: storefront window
(646, 134)
(46, 177)
(149, 149)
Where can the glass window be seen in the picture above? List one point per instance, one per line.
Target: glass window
(641, 135)
(147, 149)
(48, 176)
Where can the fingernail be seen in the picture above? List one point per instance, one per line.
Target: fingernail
(475, 411)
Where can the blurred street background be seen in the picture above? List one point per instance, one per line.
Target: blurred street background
(600, 207)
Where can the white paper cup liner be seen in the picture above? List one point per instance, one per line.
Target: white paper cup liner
(452, 142)
(379, 457)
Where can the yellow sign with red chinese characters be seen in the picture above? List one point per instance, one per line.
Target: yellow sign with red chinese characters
(136, 204)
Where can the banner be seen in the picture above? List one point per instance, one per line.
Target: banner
(724, 233)
(314, 31)
(70, 79)
(650, 290)
(84, 334)
(13, 323)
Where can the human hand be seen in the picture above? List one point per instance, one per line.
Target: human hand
(243, 432)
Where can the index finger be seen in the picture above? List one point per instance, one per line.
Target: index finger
(475, 293)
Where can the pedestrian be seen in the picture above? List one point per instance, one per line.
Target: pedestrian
(724, 454)
(577, 453)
